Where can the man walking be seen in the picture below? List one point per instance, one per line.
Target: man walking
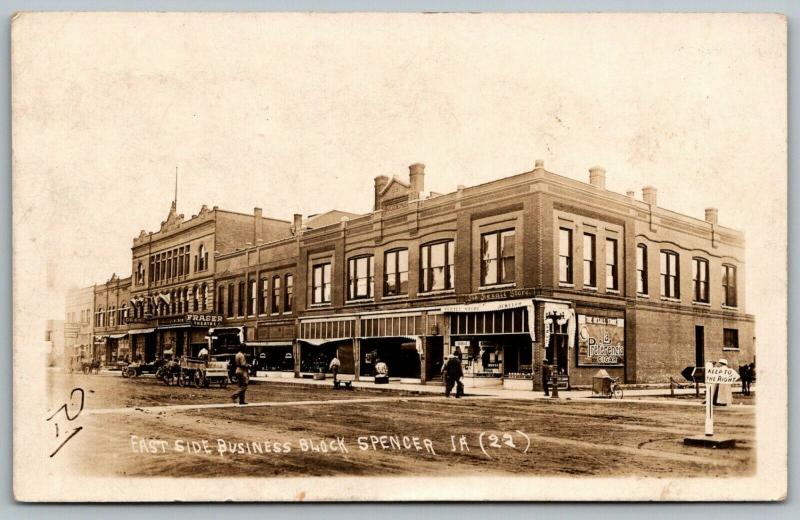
(242, 376)
(453, 375)
(546, 374)
(334, 368)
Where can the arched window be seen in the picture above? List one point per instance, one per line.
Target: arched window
(203, 297)
(195, 296)
(670, 274)
(101, 317)
(139, 274)
(729, 285)
(123, 314)
(112, 315)
(437, 266)
(700, 279)
(276, 294)
(202, 258)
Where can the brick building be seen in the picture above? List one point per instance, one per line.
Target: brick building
(172, 289)
(502, 275)
(111, 340)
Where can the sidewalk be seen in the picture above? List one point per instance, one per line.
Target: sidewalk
(501, 393)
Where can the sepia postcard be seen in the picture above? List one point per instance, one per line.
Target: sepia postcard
(399, 257)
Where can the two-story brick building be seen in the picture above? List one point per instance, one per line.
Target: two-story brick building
(503, 275)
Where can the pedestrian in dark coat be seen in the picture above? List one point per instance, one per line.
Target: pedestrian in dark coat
(546, 375)
(453, 374)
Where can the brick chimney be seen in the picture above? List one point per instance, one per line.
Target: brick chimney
(258, 227)
(416, 177)
(297, 224)
(712, 214)
(649, 195)
(597, 177)
(380, 182)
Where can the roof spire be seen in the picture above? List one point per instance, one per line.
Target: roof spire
(175, 199)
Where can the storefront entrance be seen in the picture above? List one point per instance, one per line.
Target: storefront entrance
(399, 354)
(316, 359)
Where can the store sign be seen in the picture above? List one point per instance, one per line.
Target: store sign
(501, 295)
(601, 341)
(204, 320)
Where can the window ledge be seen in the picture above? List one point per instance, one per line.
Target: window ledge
(613, 291)
(640, 295)
(394, 297)
(436, 293)
(360, 301)
(287, 312)
(730, 349)
(702, 304)
(497, 286)
(729, 308)
(671, 300)
(324, 304)
(565, 284)
(590, 288)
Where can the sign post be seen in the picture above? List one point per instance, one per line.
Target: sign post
(714, 376)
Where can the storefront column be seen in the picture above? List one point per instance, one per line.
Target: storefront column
(296, 357)
(357, 357)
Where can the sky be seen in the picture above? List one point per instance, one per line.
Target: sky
(298, 113)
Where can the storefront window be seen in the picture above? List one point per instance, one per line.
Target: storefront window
(395, 277)
(321, 283)
(437, 267)
(497, 257)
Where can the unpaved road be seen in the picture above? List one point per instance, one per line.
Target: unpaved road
(143, 428)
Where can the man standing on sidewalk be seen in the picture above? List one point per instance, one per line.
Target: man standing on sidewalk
(453, 375)
(546, 377)
(334, 367)
(242, 376)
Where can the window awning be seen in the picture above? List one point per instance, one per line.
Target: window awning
(491, 318)
(175, 326)
(488, 306)
(118, 336)
(140, 331)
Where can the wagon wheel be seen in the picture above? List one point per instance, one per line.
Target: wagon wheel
(617, 392)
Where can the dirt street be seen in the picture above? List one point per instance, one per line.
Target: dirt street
(142, 428)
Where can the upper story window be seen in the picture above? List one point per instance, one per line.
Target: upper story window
(670, 275)
(251, 297)
(230, 300)
(276, 294)
(123, 314)
(100, 318)
(564, 255)
(179, 261)
(395, 272)
(201, 261)
(321, 283)
(360, 276)
(729, 285)
(612, 278)
(112, 315)
(589, 260)
(497, 257)
(240, 300)
(139, 274)
(700, 279)
(288, 294)
(437, 268)
(221, 299)
(641, 269)
(186, 255)
(263, 302)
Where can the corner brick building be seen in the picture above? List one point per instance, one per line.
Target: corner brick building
(502, 275)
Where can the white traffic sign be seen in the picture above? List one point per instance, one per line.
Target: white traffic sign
(721, 375)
